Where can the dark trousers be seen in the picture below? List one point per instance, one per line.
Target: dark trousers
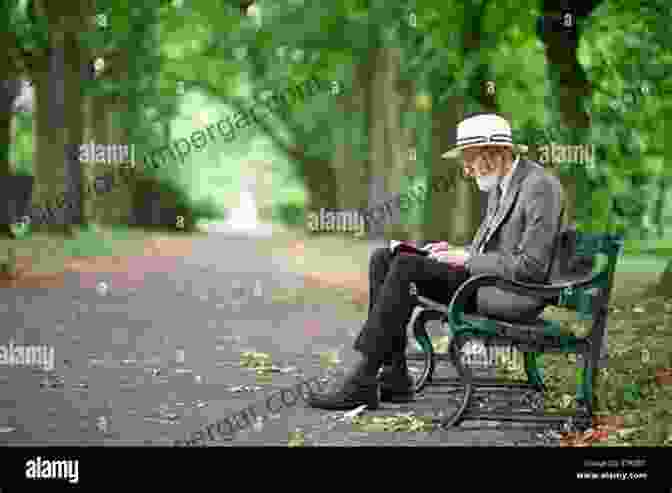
(391, 304)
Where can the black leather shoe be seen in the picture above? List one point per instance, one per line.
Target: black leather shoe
(354, 392)
(396, 385)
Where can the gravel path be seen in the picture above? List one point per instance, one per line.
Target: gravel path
(117, 379)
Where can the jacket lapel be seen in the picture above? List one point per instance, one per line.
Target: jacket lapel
(511, 195)
(478, 238)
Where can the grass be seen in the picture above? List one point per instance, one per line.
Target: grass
(661, 247)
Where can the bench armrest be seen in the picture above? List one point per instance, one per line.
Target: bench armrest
(547, 292)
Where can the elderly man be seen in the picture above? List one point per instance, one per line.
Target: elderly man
(515, 241)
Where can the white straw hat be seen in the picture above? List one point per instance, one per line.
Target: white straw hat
(483, 130)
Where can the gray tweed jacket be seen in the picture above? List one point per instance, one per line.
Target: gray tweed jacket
(518, 241)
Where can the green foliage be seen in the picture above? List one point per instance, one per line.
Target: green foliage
(171, 200)
(290, 214)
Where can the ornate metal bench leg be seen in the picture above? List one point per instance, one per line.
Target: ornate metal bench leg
(534, 372)
(465, 386)
(426, 358)
(585, 387)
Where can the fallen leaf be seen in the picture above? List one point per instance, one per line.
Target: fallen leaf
(626, 432)
(296, 439)
(374, 427)
(329, 358)
(664, 376)
(609, 422)
(595, 435)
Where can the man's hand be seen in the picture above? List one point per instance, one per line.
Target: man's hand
(453, 258)
(438, 247)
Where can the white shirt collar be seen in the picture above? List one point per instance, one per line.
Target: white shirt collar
(506, 180)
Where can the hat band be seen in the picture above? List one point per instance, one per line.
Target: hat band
(481, 139)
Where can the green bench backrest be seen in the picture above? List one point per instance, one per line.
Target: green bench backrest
(596, 253)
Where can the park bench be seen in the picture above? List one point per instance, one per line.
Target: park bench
(475, 394)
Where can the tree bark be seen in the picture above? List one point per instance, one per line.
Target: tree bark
(74, 115)
(388, 150)
(117, 204)
(664, 286)
(351, 168)
(457, 214)
(561, 48)
(443, 219)
(50, 138)
(9, 91)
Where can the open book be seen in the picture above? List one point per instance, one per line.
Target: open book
(411, 247)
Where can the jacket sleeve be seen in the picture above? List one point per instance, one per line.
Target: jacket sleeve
(528, 262)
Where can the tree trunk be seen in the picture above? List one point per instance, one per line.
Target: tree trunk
(659, 207)
(349, 162)
(459, 214)
(398, 145)
(75, 69)
(50, 137)
(664, 286)
(9, 90)
(117, 203)
(388, 151)
(571, 82)
(378, 147)
(318, 178)
(100, 114)
(49, 155)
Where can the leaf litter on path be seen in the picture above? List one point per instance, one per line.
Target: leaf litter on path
(163, 415)
(400, 422)
(330, 358)
(245, 388)
(297, 438)
(605, 428)
(262, 363)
